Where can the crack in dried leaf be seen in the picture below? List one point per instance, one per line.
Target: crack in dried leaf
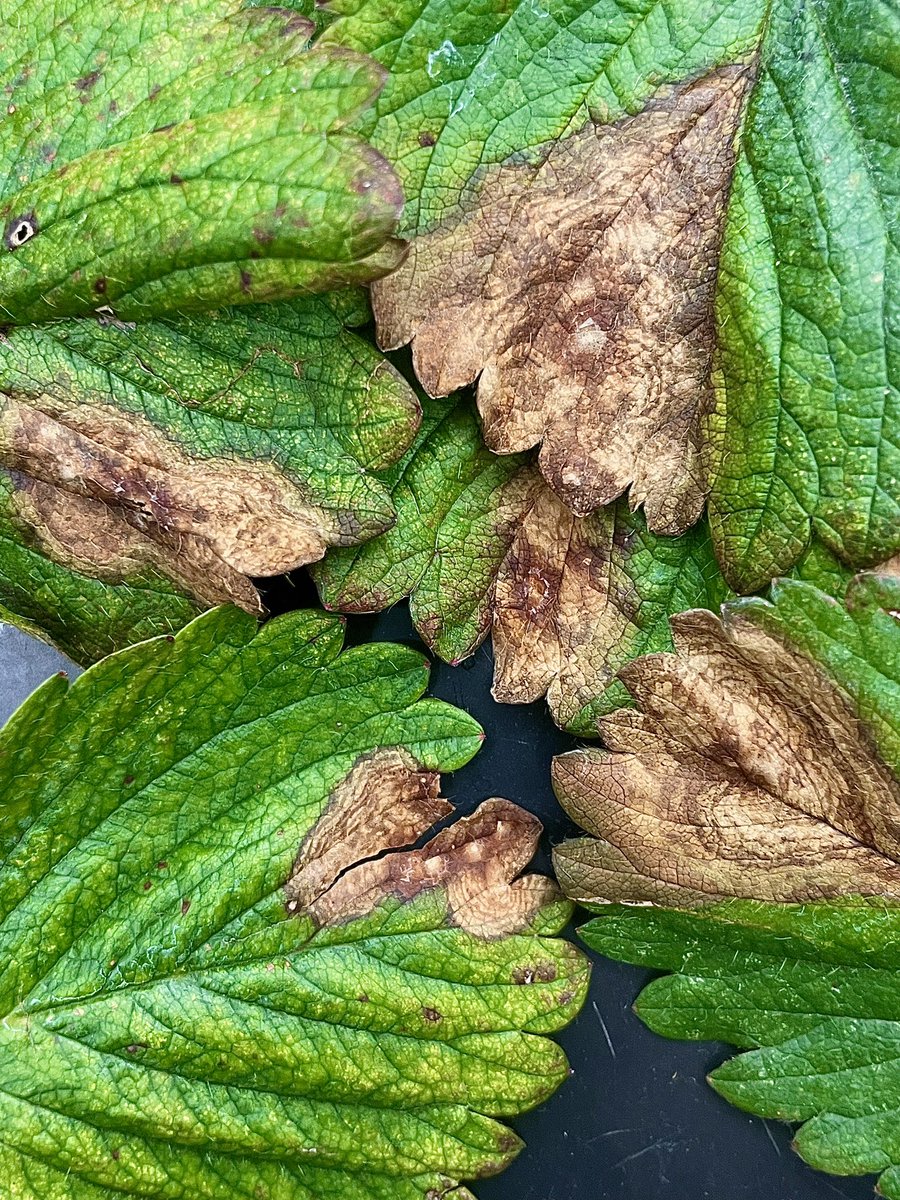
(476, 861)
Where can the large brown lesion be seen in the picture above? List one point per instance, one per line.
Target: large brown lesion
(93, 539)
(561, 608)
(743, 772)
(353, 859)
(101, 489)
(580, 288)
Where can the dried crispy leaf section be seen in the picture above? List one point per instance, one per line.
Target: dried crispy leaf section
(242, 511)
(192, 1006)
(755, 766)
(87, 536)
(580, 288)
(475, 861)
(577, 597)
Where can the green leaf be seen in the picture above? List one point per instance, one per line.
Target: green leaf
(158, 157)
(223, 975)
(481, 543)
(806, 431)
(583, 178)
(762, 761)
(458, 507)
(811, 988)
(175, 458)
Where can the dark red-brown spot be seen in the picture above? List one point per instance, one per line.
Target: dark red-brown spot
(432, 1015)
(128, 780)
(176, 179)
(246, 281)
(86, 82)
(100, 285)
(426, 138)
(148, 884)
(185, 905)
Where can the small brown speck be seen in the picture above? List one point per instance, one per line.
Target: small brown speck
(147, 885)
(176, 179)
(185, 905)
(246, 281)
(115, 1155)
(432, 1015)
(363, 998)
(100, 285)
(426, 138)
(162, 866)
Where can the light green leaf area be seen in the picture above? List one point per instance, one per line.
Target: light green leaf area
(222, 974)
(810, 990)
(182, 456)
(458, 508)
(805, 436)
(156, 157)
(84, 616)
(473, 84)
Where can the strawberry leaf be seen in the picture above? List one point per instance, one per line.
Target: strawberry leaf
(664, 238)
(223, 973)
(762, 761)
(746, 816)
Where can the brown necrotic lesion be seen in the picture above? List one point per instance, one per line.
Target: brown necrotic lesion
(579, 285)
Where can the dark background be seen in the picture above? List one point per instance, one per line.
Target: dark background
(636, 1121)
